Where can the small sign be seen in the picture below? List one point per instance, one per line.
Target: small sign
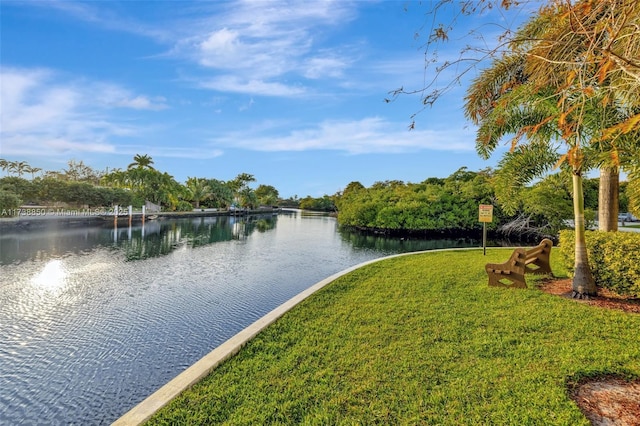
(485, 213)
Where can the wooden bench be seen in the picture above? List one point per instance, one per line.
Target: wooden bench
(512, 272)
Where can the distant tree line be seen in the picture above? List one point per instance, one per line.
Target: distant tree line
(322, 204)
(49, 190)
(450, 205)
(436, 205)
(80, 185)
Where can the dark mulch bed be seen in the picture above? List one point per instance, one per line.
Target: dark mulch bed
(604, 299)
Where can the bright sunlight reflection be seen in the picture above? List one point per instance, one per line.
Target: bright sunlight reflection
(52, 278)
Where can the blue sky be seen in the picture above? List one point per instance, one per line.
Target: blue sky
(290, 92)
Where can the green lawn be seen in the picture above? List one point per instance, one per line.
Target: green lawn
(419, 339)
(631, 226)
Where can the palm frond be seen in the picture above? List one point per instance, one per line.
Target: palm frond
(519, 168)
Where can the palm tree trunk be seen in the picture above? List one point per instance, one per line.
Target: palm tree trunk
(608, 199)
(584, 285)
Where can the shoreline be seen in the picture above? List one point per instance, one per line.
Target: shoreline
(152, 404)
(41, 218)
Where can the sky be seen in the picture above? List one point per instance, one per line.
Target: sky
(292, 93)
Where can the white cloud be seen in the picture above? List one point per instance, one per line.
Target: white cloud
(63, 145)
(322, 67)
(24, 105)
(161, 151)
(111, 95)
(235, 84)
(195, 153)
(143, 102)
(221, 42)
(369, 135)
(234, 51)
(42, 111)
(44, 145)
(260, 47)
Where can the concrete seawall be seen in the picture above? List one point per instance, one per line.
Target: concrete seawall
(147, 408)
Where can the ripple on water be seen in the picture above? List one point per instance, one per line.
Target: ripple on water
(86, 335)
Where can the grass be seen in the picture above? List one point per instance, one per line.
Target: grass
(419, 339)
(631, 226)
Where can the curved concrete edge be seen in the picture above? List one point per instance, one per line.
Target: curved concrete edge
(196, 372)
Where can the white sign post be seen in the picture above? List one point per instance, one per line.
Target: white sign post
(485, 214)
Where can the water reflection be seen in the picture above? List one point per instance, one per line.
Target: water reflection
(140, 241)
(52, 278)
(93, 319)
(404, 245)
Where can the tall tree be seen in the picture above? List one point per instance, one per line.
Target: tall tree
(246, 197)
(588, 75)
(588, 41)
(18, 167)
(146, 183)
(608, 198)
(33, 171)
(503, 100)
(241, 181)
(198, 190)
(220, 194)
(592, 61)
(581, 45)
(584, 49)
(267, 195)
(141, 162)
(77, 171)
(4, 164)
(241, 190)
(613, 155)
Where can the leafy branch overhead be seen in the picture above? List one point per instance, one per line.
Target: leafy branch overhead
(584, 49)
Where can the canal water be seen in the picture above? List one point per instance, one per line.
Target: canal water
(93, 319)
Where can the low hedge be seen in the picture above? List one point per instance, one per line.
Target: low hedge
(9, 203)
(614, 258)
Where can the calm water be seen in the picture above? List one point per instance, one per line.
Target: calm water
(94, 319)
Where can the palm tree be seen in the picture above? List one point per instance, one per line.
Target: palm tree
(141, 162)
(159, 187)
(18, 167)
(588, 50)
(247, 198)
(198, 190)
(587, 44)
(580, 104)
(267, 195)
(611, 155)
(240, 186)
(633, 189)
(502, 100)
(241, 181)
(114, 178)
(33, 171)
(221, 195)
(4, 164)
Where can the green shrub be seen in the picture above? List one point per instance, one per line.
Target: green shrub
(184, 206)
(9, 203)
(614, 258)
(25, 190)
